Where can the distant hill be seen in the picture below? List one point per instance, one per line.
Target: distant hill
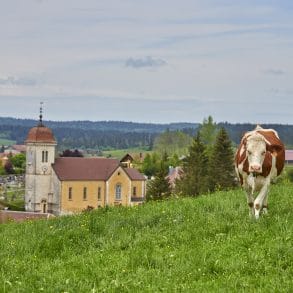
(101, 125)
(119, 134)
(92, 134)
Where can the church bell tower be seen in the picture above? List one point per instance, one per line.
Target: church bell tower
(40, 155)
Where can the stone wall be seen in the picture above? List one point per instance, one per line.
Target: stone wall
(6, 216)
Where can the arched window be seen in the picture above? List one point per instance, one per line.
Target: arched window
(84, 193)
(118, 191)
(44, 156)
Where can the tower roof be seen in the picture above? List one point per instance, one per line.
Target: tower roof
(40, 133)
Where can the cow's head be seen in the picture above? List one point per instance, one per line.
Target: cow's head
(255, 151)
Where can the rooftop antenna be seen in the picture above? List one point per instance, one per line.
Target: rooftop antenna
(41, 114)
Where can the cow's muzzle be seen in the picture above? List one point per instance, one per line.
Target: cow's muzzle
(255, 168)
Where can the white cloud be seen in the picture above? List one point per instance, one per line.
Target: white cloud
(274, 71)
(17, 81)
(144, 62)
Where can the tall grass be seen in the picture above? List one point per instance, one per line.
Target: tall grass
(207, 244)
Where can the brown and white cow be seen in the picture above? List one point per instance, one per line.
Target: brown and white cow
(259, 159)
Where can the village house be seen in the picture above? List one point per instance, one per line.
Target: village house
(289, 156)
(68, 185)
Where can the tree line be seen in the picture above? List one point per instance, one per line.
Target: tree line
(120, 135)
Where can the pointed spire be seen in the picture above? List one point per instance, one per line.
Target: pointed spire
(41, 115)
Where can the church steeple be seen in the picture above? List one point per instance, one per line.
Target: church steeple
(41, 115)
(40, 155)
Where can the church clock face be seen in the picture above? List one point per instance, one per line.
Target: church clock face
(44, 169)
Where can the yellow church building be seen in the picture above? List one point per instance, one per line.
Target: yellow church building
(69, 185)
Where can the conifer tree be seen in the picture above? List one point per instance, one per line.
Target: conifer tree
(208, 133)
(194, 178)
(221, 166)
(159, 188)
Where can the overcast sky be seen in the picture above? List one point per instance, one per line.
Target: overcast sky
(147, 60)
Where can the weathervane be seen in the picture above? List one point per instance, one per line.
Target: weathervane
(41, 114)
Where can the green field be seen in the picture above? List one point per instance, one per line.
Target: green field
(4, 141)
(208, 244)
(122, 152)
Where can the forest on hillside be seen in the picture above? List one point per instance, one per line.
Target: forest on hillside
(101, 135)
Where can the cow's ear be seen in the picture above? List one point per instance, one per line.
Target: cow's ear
(274, 148)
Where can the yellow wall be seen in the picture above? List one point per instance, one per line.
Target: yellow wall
(77, 203)
(119, 177)
(140, 190)
(108, 192)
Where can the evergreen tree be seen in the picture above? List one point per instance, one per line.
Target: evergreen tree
(194, 178)
(150, 164)
(208, 132)
(159, 188)
(221, 166)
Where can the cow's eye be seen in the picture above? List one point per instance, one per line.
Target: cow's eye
(249, 152)
(263, 153)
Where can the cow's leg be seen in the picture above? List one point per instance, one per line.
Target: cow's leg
(259, 201)
(250, 200)
(265, 204)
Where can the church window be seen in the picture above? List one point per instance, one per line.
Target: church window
(118, 192)
(70, 193)
(84, 193)
(99, 193)
(134, 191)
(44, 156)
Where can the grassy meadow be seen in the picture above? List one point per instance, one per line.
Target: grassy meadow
(205, 244)
(119, 153)
(4, 141)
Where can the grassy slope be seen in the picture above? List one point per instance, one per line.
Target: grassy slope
(4, 141)
(207, 244)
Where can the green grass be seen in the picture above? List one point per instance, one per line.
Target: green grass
(4, 141)
(122, 152)
(208, 244)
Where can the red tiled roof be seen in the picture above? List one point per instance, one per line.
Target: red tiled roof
(84, 168)
(174, 174)
(126, 158)
(134, 174)
(40, 134)
(19, 147)
(289, 155)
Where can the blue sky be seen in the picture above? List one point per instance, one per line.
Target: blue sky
(147, 61)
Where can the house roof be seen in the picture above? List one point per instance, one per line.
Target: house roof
(19, 147)
(126, 158)
(76, 168)
(40, 133)
(289, 155)
(134, 174)
(174, 173)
